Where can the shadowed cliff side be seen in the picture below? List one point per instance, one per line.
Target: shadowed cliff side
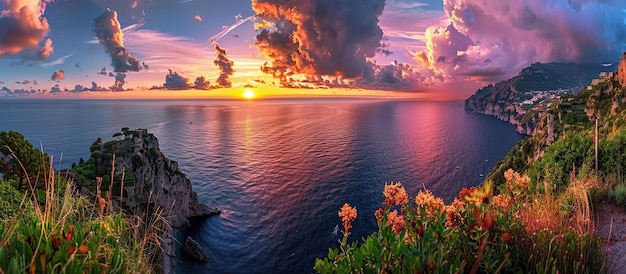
(144, 180)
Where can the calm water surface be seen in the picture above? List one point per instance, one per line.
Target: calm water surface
(281, 169)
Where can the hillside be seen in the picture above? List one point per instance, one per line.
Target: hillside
(562, 141)
(534, 87)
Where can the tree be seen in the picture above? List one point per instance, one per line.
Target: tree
(118, 136)
(19, 159)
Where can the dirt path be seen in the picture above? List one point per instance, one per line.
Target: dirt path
(611, 221)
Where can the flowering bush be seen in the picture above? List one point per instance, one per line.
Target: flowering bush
(477, 232)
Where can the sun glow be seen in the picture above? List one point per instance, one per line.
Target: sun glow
(248, 94)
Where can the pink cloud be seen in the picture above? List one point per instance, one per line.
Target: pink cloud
(492, 41)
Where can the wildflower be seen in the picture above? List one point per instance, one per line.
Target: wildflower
(430, 202)
(396, 221)
(506, 237)
(395, 194)
(347, 215)
(488, 221)
(502, 201)
(453, 217)
(516, 184)
(379, 214)
(480, 195)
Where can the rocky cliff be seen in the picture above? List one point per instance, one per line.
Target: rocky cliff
(533, 88)
(151, 181)
(621, 71)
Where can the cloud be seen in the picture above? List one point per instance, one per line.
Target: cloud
(120, 80)
(58, 75)
(201, 83)
(103, 71)
(319, 37)
(23, 29)
(198, 18)
(491, 41)
(25, 82)
(173, 80)
(225, 66)
(58, 61)
(109, 33)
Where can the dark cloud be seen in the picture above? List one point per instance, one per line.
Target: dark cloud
(225, 66)
(25, 82)
(120, 80)
(319, 37)
(201, 83)
(55, 89)
(103, 71)
(23, 30)
(58, 75)
(109, 32)
(173, 80)
(95, 87)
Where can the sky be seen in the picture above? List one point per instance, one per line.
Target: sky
(429, 48)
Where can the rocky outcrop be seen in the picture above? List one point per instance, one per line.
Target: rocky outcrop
(523, 99)
(157, 184)
(621, 71)
(195, 251)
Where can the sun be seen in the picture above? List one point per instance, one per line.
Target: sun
(248, 94)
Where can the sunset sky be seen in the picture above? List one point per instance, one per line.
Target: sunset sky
(441, 48)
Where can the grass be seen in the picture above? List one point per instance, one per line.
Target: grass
(55, 230)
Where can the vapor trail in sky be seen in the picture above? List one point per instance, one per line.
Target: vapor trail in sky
(225, 31)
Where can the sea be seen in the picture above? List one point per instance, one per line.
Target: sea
(280, 169)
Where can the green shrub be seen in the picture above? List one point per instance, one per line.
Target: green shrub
(618, 194)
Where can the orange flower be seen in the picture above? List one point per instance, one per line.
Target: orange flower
(347, 215)
(395, 194)
(516, 184)
(503, 201)
(430, 202)
(396, 221)
(506, 237)
(453, 217)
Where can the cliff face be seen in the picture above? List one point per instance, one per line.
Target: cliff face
(621, 71)
(156, 181)
(523, 99)
(495, 100)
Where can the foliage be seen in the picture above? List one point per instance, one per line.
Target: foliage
(478, 232)
(618, 194)
(56, 230)
(563, 156)
(10, 200)
(18, 158)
